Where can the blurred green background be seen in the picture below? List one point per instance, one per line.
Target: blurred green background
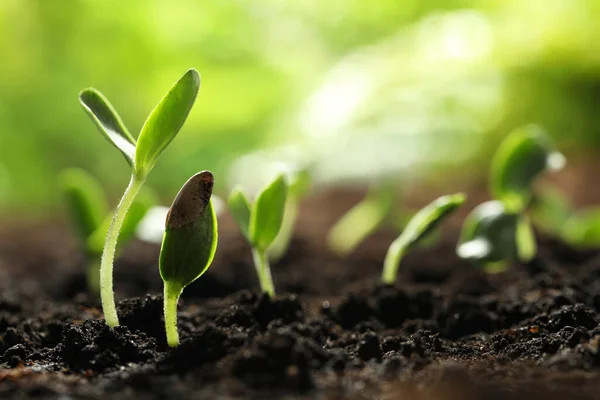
(355, 88)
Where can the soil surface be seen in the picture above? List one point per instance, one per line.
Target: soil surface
(446, 331)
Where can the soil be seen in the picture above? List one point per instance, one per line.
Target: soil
(446, 331)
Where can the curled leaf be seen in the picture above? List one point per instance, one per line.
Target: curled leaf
(239, 207)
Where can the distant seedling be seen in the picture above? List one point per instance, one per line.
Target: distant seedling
(260, 224)
(500, 229)
(189, 244)
(90, 216)
(160, 128)
(419, 226)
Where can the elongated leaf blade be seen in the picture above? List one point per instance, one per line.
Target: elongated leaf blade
(85, 199)
(522, 156)
(191, 236)
(489, 234)
(239, 207)
(267, 213)
(108, 122)
(165, 121)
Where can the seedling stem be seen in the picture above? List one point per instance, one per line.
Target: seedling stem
(263, 270)
(171, 294)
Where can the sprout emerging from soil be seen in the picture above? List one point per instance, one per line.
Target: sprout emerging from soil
(160, 128)
(299, 183)
(260, 224)
(361, 220)
(189, 244)
(500, 229)
(419, 226)
(88, 208)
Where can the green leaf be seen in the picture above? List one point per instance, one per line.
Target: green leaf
(140, 206)
(108, 122)
(300, 182)
(422, 223)
(239, 207)
(190, 239)
(85, 199)
(550, 210)
(489, 234)
(362, 220)
(165, 121)
(521, 157)
(582, 229)
(267, 214)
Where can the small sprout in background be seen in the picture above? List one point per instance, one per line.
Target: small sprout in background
(90, 215)
(160, 128)
(189, 244)
(299, 183)
(260, 223)
(418, 227)
(362, 220)
(550, 209)
(499, 230)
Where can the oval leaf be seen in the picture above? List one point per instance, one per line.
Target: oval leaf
(422, 223)
(85, 199)
(239, 207)
(165, 121)
(267, 214)
(521, 157)
(108, 122)
(489, 234)
(190, 239)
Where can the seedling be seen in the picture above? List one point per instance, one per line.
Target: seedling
(419, 226)
(299, 185)
(362, 220)
(160, 128)
(500, 229)
(260, 223)
(188, 246)
(89, 213)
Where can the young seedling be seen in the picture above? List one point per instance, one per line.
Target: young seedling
(299, 185)
(361, 220)
(188, 246)
(260, 224)
(160, 128)
(500, 229)
(419, 226)
(89, 213)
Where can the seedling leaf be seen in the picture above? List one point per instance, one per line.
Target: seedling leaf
(108, 121)
(422, 223)
(522, 156)
(239, 207)
(85, 198)
(489, 234)
(267, 214)
(190, 239)
(582, 229)
(165, 121)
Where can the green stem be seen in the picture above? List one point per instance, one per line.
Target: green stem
(261, 263)
(108, 254)
(171, 297)
(392, 262)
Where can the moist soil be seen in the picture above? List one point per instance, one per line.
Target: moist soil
(446, 330)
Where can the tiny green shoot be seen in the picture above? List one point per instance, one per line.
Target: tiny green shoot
(361, 220)
(160, 128)
(88, 209)
(260, 223)
(188, 246)
(299, 182)
(419, 226)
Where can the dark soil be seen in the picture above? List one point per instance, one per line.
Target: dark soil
(446, 331)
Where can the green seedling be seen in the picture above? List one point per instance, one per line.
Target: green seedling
(500, 229)
(362, 220)
(299, 183)
(260, 223)
(88, 208)
(160, 128)
(418, 227)
(189, 244)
